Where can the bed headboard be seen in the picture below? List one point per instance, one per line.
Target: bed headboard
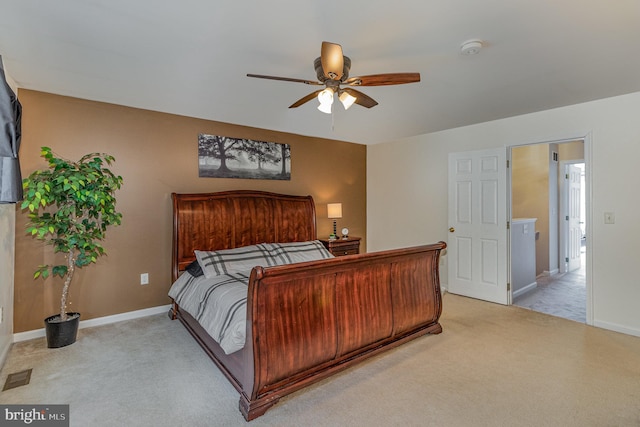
(230, 219)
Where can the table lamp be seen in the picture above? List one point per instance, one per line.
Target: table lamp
(334, 211)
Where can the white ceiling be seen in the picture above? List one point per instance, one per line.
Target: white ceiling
(191, 57)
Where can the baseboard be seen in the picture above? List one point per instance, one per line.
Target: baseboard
(525, 289)
(617, 328)
(4, 352)
(547, 273)
(99, 321)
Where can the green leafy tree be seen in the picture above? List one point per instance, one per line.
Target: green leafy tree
(70, 206)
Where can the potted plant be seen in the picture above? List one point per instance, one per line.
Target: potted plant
(70, 205)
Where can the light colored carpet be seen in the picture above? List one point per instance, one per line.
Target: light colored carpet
(492, 366)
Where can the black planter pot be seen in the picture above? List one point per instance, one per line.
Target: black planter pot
(60, 334)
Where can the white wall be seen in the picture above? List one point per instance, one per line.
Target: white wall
(7, 250)
(407, 191)
(7, 246)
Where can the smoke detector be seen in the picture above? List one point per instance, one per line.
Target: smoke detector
(471, 47)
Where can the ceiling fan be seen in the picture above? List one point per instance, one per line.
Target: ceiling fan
(332, 69)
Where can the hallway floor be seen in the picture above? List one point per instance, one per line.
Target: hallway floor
(561, 295)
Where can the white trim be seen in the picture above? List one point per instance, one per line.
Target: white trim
(589, 225)
(39, 333)
(525, 289)
(4, 353)
(616, 328)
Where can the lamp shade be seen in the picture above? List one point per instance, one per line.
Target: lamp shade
(325, 108)
(334, 210)
(326, 99)
(346, 99)
(326, 96)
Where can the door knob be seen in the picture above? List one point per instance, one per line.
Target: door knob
(451, 230)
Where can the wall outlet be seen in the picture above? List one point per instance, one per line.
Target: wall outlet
(144, 279)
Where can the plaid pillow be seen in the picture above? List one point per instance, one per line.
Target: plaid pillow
(237, 260)
(242, 260)
(291, 253)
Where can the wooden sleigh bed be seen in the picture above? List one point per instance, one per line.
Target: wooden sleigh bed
(309, 320)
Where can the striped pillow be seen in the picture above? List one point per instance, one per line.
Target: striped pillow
(243, 259)
(237, 260)
(291, 253)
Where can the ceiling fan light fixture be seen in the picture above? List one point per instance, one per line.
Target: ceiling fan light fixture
(325, 108)
(326, 99)
(346, 99)
(332, 70)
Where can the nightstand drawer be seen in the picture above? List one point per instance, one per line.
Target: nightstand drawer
(342, 251)
(342, 247)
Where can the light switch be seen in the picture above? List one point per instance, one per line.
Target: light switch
(609, 218)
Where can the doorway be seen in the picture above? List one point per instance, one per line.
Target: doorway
(549, 184)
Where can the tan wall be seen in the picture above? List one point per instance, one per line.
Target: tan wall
(571, 151)
(156, 154)
(530, 194)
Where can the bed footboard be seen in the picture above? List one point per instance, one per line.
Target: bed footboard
(308, 321)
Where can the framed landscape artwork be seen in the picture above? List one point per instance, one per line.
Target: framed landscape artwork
(226, 157)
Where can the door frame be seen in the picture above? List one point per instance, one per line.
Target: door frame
(587, 140)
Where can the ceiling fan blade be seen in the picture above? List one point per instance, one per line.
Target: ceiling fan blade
(361, 98)
(286, 79)
(384, 79)
(332, 60)
(305, 99)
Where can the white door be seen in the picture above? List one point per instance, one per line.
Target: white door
(573, 176)
(477, 246)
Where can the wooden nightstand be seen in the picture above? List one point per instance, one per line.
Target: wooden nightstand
(341, 247)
